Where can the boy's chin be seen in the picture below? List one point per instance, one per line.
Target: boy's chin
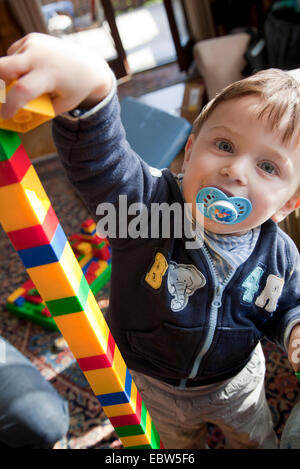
(238, 229)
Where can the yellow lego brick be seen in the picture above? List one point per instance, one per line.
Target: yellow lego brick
(90, 229)
(18, 292)
(33, 114)
(148, 426)
(86, 332)
(92, 303)
(58, 279)
(102, 267)
(123, 409)
(108, 380)
(136, 440)
(84, 248)
(24, 203)
(85, 260)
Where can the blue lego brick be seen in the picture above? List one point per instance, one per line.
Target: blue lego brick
(93, 233)
(118, 397)
(47, 253)
(86, 266)
(19, 301)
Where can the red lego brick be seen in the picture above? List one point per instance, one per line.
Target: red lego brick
(87, 223)
(14, 169)
(37, 235)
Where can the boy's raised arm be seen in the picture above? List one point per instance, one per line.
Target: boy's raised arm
(71, 75)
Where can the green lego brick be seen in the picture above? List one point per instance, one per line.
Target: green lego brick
(71, 304)
(31, 313)
(155, 438)
(131, 430)
(140, 447)
(99, 246)
(9, 142)
(101, 280)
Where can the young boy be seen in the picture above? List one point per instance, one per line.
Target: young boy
(188, 320)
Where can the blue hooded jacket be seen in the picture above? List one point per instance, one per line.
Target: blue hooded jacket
(170, 317)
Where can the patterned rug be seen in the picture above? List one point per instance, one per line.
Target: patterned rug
(89, 427)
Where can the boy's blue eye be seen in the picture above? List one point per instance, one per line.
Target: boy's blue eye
(223, 145)
(268, 167)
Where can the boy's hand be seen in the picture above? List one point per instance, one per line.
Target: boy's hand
(40, 63)
(294, 348)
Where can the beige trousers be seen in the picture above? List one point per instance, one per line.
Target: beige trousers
(238, 406)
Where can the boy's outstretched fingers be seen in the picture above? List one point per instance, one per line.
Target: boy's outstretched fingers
(17, 46)
(13, 67)
(40, 63)
(26, 88)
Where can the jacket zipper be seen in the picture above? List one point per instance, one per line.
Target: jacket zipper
(215, 305)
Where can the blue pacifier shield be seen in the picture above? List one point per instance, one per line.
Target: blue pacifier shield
(217, 206)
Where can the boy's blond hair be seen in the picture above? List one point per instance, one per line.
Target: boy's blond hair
(280, 102)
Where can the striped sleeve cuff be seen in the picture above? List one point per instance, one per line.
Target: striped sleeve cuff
(79, 114)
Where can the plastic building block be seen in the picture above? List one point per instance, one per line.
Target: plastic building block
(33, 114)
(14, 168)
(24, 203)
(54, 269)
(16, 294)
(97, 272)
(84, 248)
(88, 223)
(89, 226)
(36, 235)
(9, 143)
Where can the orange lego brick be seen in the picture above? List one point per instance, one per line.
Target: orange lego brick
(33, 114)
(58, 279)
(108, 380)
(84, 248)
(85, 324)
(24, 203)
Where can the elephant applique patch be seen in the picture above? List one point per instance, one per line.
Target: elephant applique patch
(183, 281)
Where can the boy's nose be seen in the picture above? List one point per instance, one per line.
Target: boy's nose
(236, 171)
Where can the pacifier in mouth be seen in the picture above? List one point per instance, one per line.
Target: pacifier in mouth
(217, 206)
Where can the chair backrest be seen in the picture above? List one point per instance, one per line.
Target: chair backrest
(155, 135)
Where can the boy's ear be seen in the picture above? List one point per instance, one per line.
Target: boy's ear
(287, 208)
(187, 151)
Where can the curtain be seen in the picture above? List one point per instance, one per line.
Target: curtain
(200, 19)
(9, 28)
(28, 15)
